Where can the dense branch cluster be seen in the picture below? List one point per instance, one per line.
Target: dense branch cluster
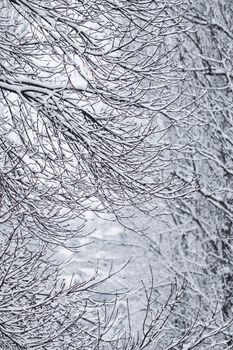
(84, 90)
(200, 226)
(116, 106)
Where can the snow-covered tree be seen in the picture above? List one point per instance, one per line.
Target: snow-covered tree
(85, 90)
(195, 241)
(104, 106)
(86, 101)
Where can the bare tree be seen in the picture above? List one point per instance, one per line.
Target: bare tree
(199, 230)
(85, 91)
(39, 309)
(90, 92)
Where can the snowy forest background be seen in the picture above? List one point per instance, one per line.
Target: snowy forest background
(116, 168)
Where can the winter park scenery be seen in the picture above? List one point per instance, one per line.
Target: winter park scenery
(116, 174)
